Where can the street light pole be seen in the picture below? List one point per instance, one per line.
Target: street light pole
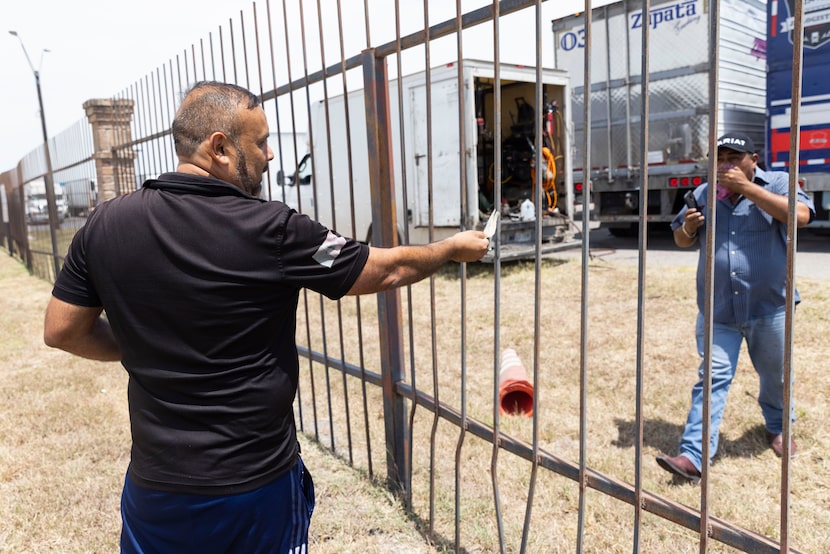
(48, 178)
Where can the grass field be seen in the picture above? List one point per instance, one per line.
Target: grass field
(744, 486)
(64, 449)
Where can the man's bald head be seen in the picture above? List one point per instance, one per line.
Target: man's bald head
(209, 107)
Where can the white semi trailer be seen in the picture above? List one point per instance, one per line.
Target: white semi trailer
(328, 190)
(679, 99)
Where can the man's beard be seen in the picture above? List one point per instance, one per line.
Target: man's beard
(252, 184)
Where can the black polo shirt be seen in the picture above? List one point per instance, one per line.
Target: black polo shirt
(200, 282)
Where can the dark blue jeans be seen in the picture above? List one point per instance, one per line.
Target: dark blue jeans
(271, 519)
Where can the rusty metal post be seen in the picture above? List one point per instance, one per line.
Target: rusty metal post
(25, 249)
(384, 233)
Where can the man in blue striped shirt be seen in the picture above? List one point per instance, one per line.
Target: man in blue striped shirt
(750, 265)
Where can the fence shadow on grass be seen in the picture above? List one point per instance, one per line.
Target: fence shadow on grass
(665, 436)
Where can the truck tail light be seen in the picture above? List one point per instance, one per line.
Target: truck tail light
(694, 181)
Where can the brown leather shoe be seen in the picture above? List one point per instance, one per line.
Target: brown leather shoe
(679, 465)
(777, 444)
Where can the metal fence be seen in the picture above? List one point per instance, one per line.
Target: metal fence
(39, 227)
(389, 384)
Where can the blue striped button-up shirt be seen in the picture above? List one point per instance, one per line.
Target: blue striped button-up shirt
(750, 255)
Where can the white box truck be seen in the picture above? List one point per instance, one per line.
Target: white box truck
(37, 208)
(81, 196)
(327, 196)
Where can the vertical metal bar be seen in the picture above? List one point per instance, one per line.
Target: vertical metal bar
(148, 121)
(26, 247)
(266, 189)
(540, 164)
(212, 57)
(158, 124)
(332, 195)
(120, 183)
(186, 69)
(643, 251)
(405, 210)
(308, 118)
(583, 338)
(366, 25)
(139, 131)
(708, 308)
(117, 150)
(462, 175)
(176, 94)
(202, 56)
(222, 53)
(299, 204)
(48, 180)
(168, 87)
(117, 154)
(326, 366)
(292, 108)
(122, 155)
(233, 51)
(497, 270)
(353, 220)
(179, 78)
(173, 94)
(628, 146)
(276, 115)
(271, 51)
(792, 243)
(384, 216)
(245, 48)
(431, 230)
(257, 50)
(193, 61)
(609, 145)
(149, 85)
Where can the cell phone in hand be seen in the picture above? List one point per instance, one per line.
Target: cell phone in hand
(691, 203)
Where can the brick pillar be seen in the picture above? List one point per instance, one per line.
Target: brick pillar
(110, 119)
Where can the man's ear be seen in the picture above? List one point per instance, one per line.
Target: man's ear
(219, 148)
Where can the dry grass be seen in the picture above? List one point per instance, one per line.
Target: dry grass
(64, 442)
(64, 449)
(745, 478)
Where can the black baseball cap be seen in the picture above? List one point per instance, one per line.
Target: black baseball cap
(738, 142)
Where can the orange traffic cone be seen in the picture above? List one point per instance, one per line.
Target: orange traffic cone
(515, 390)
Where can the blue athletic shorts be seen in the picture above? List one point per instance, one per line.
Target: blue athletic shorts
(271, 519)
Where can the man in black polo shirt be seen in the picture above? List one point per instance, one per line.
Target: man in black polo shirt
(200, 279)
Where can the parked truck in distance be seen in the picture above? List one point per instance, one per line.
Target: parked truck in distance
(81, 196)
(679, 70)
(333, 180)
(37, 207)
(814, 113)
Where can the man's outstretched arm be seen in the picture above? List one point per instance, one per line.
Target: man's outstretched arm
(388, 268)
